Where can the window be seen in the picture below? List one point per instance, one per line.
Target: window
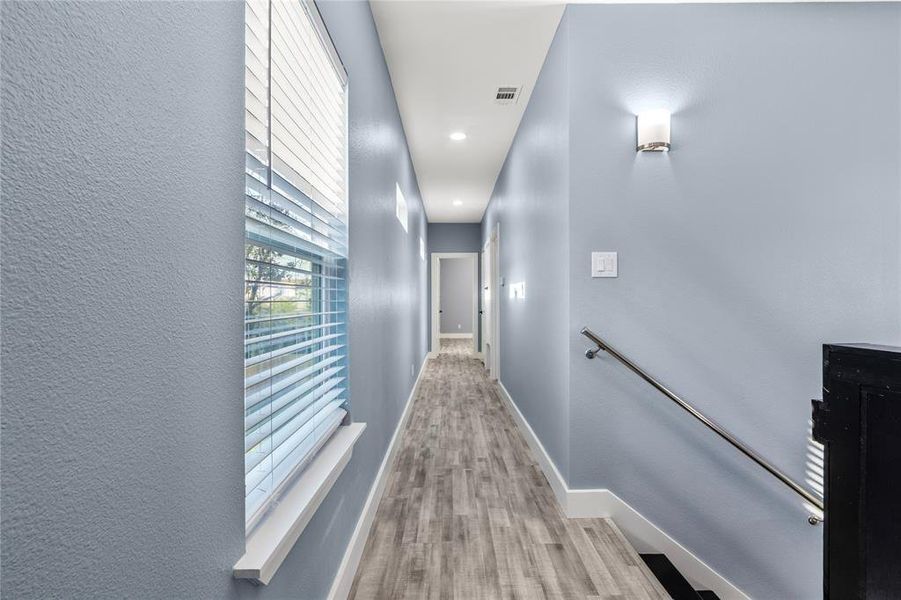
(400, 206)
(295, 299)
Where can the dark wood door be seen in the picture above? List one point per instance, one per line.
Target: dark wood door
(859, 422)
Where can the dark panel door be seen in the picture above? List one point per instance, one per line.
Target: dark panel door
(859, 422)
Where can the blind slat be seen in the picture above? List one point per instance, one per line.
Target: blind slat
(293, 34)
(288, 349)
(253, 380)
(258, 474)
(322, 221)
(267, 401)
(278, 423)
(282, 442)
(258, 495)
(288, 439)
(283, 334)
(272, 208)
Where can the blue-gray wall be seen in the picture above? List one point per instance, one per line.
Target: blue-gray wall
(456, 295)
(122, 274)
(772, 227)
(454, 237)
(531, 205)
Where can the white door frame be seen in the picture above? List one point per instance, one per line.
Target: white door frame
(436, 298)
(494, 288)
(484, 304)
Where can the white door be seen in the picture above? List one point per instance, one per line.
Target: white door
(494, 308)
(491, 306)
(486, 303)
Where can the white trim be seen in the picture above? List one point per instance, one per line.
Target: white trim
(553, 476)
(435, 282)
(436, 334)
(485, 312)
(601, 503)
(348, 568)
(271, 540)
(645, 536)
(456, 336)
(474, 262)
(494, 266)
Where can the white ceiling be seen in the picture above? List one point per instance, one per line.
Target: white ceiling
(447, 59)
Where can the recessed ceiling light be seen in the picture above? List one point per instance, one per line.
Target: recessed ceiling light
(458, 203)
(458, 136)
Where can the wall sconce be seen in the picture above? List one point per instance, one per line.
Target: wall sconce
(653, 131)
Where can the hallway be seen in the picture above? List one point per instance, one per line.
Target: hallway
(443, 299)
(468, 513)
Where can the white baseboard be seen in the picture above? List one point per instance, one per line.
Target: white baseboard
(553, 476)
(456, 336)
(344, 578)
(602, 503)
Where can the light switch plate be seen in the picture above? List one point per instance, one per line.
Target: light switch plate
(604, 264)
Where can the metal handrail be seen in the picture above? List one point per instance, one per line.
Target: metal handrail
(710, 423)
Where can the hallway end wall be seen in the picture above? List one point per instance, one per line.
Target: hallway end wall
(457, 295)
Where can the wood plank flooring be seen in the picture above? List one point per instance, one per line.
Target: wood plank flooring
(460, 346)
(467, 513)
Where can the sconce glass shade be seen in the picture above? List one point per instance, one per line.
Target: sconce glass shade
(653, 131)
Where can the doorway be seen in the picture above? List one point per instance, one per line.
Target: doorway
(455, 302)
(490, 312)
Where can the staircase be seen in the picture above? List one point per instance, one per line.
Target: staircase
(672, 580)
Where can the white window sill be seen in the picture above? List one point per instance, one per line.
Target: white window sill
(270, 541)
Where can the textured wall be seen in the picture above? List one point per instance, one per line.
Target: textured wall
(122, 309)
(122, 312)
(772, 227)
(456, 295)
(530, 202)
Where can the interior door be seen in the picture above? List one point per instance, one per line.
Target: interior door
(486, 303)
(494, 291)
(435, 308)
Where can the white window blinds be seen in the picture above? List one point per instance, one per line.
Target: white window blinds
(295, 299)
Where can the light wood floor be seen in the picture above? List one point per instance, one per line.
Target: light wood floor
(467, 513)
(460, 346)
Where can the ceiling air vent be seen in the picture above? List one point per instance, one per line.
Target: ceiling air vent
(507, 94)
